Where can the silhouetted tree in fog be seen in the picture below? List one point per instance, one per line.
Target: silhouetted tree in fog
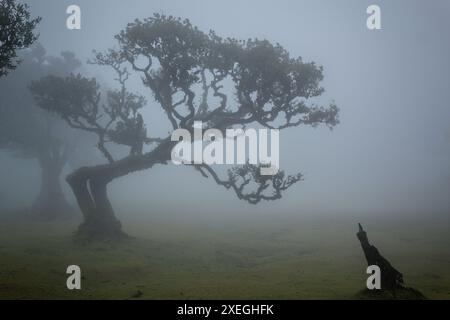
(29, 132)
(190, 75)
(16, 32)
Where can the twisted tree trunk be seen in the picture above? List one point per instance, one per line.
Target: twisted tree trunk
(91, 194)
(90, 186)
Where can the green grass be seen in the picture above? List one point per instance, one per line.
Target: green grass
(283, 258)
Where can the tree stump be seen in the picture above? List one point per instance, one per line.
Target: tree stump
(392, 284)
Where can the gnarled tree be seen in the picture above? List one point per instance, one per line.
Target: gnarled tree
(192, 76)
(27, 131)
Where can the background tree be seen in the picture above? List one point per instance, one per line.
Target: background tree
(16, 32)
(29, 132)
(192, 76)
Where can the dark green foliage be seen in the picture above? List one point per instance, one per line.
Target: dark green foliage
(268, 83)
(77, 100)
(16, 32)
(25, 129)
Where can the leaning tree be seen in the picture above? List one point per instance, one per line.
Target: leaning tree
(29, 132)
(192, 76)
(16, 32)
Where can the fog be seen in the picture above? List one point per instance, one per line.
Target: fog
(390, 154)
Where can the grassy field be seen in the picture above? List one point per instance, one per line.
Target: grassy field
(273, 258)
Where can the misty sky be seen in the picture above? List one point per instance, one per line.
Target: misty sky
(389, 155)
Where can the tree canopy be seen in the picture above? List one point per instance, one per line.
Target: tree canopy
(26, 129)
(16, 32)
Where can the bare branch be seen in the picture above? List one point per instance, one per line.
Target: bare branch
(249, 185)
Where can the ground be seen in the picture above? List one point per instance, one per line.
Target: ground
(293, 257)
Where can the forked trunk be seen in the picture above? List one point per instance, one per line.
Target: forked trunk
(99, 219)
(89, 185)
